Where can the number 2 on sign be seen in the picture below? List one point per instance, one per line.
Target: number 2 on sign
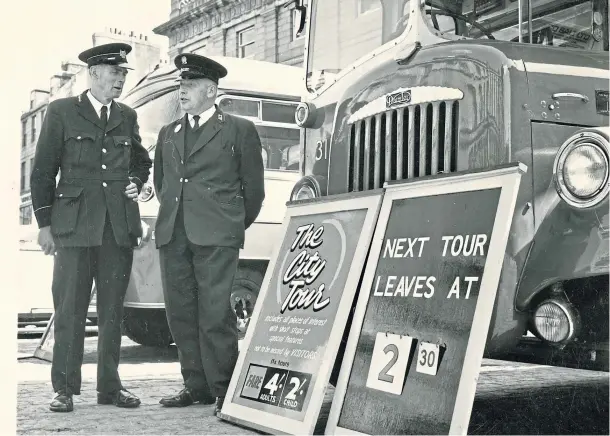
(389, 362)
(427, 358)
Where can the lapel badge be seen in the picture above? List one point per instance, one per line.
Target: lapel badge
(177, 128)
(220, 118)
(184, 59)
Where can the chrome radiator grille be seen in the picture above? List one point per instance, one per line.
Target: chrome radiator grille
(403, 143)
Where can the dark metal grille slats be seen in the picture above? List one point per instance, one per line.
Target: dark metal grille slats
(403, 143)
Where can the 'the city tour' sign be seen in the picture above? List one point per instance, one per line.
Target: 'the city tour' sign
(421, 322)
(290, 347)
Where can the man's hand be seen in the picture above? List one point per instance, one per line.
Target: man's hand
(45, 240)
(131, 191)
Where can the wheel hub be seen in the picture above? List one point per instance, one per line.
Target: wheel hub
(242, 303)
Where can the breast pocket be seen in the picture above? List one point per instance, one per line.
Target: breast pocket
(75, 144)
(66, 206)
(122, 149)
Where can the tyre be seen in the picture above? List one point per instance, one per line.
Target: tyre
(147, 327)
(246, 287)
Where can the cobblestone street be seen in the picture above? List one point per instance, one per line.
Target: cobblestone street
(149, 373)
(512, 398)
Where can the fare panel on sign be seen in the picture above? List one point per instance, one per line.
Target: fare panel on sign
(276, 387)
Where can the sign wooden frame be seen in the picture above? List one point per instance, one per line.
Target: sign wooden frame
(370, 201)
(507, 178)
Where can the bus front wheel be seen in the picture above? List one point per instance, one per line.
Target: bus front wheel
(147, 327)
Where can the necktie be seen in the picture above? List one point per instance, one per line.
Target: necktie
(104, 116)
(196, 119)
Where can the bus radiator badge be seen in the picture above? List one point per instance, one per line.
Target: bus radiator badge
(398, 98)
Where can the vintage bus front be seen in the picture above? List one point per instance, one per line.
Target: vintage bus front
(262, 92)
(402, 89)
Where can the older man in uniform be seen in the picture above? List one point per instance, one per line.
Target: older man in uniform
(90, 220)
(209, 177)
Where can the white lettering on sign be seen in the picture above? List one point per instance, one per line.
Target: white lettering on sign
(404, 285)
(469, 245)
(404, 247)
(455, 287)
(304, 269)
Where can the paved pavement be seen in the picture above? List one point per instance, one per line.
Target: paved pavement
(533, 402)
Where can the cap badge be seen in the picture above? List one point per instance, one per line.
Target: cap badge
(184, 59)
(123, 54)
(177, 128)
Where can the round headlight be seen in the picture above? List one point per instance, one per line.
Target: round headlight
(585, 171)
(304, 115)
(552, 322)
(581, 169)
(147, 192)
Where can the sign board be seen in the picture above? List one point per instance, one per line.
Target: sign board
(422, 317)
(281, 375)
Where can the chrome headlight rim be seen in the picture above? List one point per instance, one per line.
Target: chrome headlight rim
(568, 311)
(308, 118)
(581, 139)
(147, 197)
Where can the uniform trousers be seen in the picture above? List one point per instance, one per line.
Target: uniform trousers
(197, 282)
(74, 270)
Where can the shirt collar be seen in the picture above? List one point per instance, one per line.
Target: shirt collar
(97, 105)
(204, 116)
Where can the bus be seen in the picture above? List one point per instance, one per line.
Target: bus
(401, 89)
(263, 92)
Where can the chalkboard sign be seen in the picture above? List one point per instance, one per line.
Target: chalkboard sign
(421, 322)
(291, 344)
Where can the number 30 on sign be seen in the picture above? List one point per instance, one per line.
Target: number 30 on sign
(427, 358)
(389, 362)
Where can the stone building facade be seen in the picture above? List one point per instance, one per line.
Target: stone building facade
(257, 29)
(73, 79)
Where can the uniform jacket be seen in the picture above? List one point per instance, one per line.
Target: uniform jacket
(94, 166)
(220, 183)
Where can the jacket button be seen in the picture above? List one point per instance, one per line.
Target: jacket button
(186, 180)
(61, 195)
(180, 179)
(78, 137)
(103, 150)
(104, 184)
(176, 198)
(103, 167)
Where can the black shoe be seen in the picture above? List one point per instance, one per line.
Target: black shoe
(120, 398)
(219, 402)
(186, 397)
(62, 403)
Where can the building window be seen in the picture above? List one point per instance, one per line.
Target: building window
(25, 215)
(33, 128)
(24, 134)
(23, 176)
(365, 6)
(245, 43)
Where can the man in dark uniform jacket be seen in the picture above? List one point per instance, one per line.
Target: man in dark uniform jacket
(209, 178)
(90, 220)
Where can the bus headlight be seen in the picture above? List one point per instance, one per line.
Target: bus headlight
(147, 192)
(581, 168)
(556, 321)
(305, 114)
(306, 188)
